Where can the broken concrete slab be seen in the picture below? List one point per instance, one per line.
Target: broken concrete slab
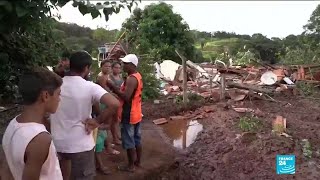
(159, 75)
(202, 72)
(168, 68)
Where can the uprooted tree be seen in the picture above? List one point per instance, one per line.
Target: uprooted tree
(26, 37)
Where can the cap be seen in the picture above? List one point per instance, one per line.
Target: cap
(130, 58)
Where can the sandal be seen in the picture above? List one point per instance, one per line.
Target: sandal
(126, 169)
(113, 152)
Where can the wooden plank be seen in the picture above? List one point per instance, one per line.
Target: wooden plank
(184, 70)
(248, 87)
(116, 44)
(160, 121)
(222, 87)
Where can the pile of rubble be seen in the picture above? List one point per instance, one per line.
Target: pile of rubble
(236, 83)
(171, 75)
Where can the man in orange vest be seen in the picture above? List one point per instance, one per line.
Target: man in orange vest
(130, 111)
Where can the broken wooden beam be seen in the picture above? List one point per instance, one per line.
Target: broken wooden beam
(184, 70)
(222, 87)
(248, 87)
(160, 121)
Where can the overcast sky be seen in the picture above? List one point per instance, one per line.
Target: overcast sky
(271, 18)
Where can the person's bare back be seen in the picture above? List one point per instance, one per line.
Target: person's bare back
(102, 80)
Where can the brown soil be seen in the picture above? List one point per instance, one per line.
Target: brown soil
(166, 108)
(222, 150)
(158, 154)
(219, 152)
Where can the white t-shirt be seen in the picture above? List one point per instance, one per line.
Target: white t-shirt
(67, 129)
(15, 141)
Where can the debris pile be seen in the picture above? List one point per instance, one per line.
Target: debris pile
(238, 82)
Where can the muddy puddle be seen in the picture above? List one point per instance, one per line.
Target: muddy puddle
(182, 133)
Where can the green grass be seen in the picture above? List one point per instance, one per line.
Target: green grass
(249, 124)
(215, 46)
(306, 89)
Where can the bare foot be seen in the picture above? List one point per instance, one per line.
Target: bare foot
(117, 142)
(137, 164)
(104, 170)
(112, 152)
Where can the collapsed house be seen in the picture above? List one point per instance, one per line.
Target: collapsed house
(238, 82)
(112, 51)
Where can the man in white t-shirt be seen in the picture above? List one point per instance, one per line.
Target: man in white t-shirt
(72, 136)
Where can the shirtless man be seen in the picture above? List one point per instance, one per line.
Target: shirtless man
(103, 76)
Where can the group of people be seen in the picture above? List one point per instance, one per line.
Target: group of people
(63, 145)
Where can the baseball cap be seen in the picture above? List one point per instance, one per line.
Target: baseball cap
(130, 58)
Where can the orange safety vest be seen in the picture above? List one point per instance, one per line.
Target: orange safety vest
(136, 112)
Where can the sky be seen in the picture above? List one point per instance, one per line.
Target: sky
(270, 18)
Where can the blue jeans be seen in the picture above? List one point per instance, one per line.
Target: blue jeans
(130, 135)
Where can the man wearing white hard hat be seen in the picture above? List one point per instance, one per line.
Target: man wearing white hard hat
(130, 112)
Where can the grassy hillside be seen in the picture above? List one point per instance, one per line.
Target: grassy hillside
(216, 46)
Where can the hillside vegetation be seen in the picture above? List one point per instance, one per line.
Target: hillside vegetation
(29, 36)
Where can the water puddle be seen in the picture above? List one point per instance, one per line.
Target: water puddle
(182, 133)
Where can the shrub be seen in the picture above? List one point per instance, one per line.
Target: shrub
(249, 124)
(151, 84)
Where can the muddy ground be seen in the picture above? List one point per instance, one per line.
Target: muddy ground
(222, 150)
(158, 153)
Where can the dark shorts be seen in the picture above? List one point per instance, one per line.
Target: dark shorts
(130, 135)
(82, 164)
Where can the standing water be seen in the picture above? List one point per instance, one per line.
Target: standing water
(182, 133)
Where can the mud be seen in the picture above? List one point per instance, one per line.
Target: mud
(182, 133)
(223, 151)
(166, 108)
(158, 154)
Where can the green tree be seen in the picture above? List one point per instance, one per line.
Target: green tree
(72, 29)
(312, 30)
(157, 30)
(27, 37)
(265, 48)
(101, 35)
(313, 25)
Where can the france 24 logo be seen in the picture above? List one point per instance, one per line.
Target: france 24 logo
(286, 164)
